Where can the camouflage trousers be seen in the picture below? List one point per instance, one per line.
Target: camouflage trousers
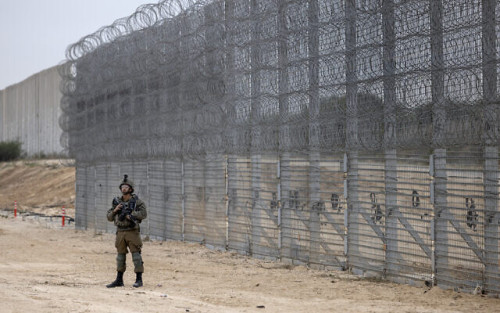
(130, 239)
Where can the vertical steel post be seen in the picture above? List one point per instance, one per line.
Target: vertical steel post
(438, 123)
(390, 140)
(286, 225)
(278, 198)
(284, 132)
(490, 116)
(352, 125)
(346, 211)
(229, 95)
(491, 219)
(437, 72)
(439, 202)
(433, 220)
(315, 206)
(256, 140)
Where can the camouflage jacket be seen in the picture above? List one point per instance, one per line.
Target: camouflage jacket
(139, 213)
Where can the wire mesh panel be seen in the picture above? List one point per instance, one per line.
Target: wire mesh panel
(113, 181)
(215, 200)
(329, 248)
(313, 229)
(102, 199)
(492, 220)
(264, 214)
(414, 214)
(156, 207)
(140, 177)
(195, 205)
(90, 197)
(173, 196)
(462, 263)
(240, 203)
(81, 215)
(296, 213)
(367, 242)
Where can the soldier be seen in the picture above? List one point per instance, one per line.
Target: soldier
(127, 213)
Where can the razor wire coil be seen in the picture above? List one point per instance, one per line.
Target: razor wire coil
(238, 75)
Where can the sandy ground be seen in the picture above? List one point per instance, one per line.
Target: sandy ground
(47, 268)
(41, 186)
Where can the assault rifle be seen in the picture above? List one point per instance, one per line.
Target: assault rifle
(126, 209)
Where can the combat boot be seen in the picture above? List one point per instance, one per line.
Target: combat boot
(118, 281)
(138, 280)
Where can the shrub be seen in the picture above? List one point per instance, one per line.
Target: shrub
(10, 150)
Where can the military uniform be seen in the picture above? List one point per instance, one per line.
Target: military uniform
(128, 234)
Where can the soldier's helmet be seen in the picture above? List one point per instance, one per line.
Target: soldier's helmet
(127, 181)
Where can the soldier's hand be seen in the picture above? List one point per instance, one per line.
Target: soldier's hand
(117, 208)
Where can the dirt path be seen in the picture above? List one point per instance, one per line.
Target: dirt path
(46, 268)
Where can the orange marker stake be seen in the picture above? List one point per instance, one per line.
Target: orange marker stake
(15, 208)
(63, 216)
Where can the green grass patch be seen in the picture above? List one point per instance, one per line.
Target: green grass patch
(10, 150)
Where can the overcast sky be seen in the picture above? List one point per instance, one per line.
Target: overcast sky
(34, 34)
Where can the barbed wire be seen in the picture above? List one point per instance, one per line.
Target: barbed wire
(187, 78)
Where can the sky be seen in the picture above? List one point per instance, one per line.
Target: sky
(34, 34)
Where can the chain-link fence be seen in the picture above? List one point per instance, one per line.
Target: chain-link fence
(340, 134)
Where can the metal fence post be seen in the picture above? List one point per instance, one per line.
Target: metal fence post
(314, 128)
(439, 191)
(278, 199)
(491, 218)
(391, 163)
(491, 175)
(226, 201)
(433, 220)
(352, 140)
(256, 158)
(439, 201)
(284, 134)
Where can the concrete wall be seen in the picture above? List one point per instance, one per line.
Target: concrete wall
(30, 112)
